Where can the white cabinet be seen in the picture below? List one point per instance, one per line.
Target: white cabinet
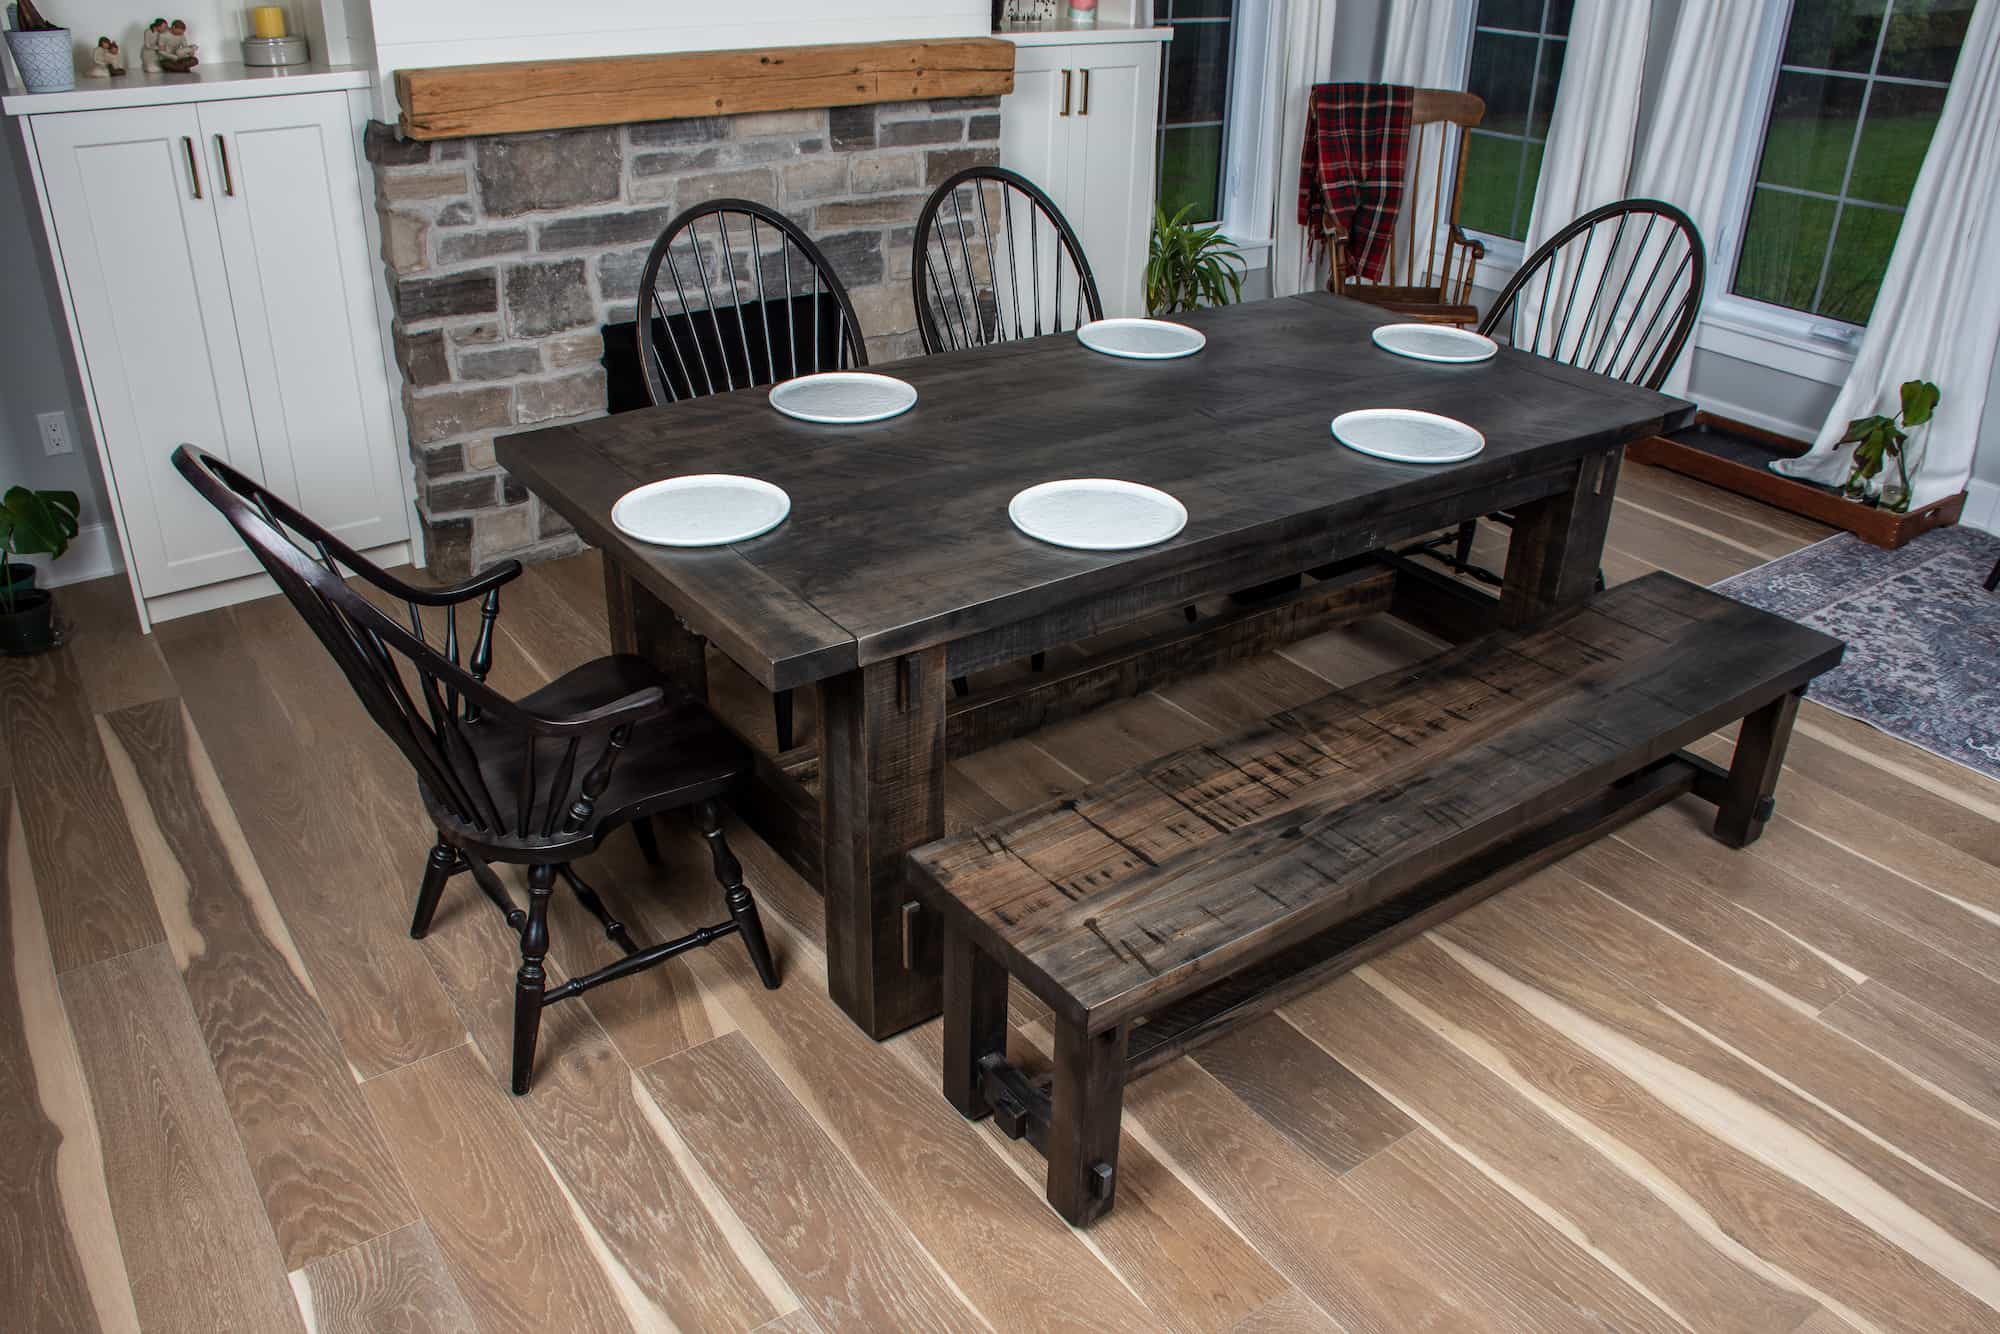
(1082, 123)
(219, 280)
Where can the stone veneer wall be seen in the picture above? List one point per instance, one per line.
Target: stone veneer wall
(507, 254)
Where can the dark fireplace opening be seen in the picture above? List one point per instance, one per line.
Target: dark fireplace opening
(712, 351)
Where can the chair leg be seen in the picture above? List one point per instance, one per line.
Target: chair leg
(781, 709)
(437, 870)
(975, 1021)
(1083, 1122)
(1462, 557)
(1749, 798)
(648, 840)
(729, 874)
(530, 982)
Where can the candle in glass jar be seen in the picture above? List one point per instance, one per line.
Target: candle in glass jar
(267, 21)
(1083, 13)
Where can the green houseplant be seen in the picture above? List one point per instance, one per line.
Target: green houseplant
(32, 523)
(1189, 265)
(1878, 439)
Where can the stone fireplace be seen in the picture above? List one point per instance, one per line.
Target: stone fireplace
(508, 255)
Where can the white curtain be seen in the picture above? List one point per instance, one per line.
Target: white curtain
(1426, 46)
(1588, 158)
(1301, 56)
(1935, 318)
(1703, 101)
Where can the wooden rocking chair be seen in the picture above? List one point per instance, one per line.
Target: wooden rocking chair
(1428, 276)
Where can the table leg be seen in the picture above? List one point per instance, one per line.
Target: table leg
(1559, 543)
(882, 760)
(641, 624)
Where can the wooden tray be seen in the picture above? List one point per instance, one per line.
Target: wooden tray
(1734, 456)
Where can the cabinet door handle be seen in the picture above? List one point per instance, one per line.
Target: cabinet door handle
(1086, 93)
(1065, 106)
(194, 166)
(229, 177)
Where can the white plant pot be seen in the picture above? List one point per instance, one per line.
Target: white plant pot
(46, 60)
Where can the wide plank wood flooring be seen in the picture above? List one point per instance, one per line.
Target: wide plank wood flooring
(1659, 1086)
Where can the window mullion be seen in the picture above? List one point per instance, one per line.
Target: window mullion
(1853, 152)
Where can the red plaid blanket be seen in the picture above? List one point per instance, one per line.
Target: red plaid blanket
(1351, 175)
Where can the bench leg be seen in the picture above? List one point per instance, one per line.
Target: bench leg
(1089, 1089)
(975, 1020)
(1753, 774)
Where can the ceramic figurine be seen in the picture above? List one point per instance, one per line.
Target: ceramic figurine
(177, 53)
(149, 48)
(105, 59)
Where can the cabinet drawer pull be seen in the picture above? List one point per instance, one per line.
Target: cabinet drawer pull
(1086, 94)
(194, 165)
(1065, 105)
(229, 177)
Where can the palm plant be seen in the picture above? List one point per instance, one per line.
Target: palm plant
(1190, 264)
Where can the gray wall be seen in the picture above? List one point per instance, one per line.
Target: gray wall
(37, 371)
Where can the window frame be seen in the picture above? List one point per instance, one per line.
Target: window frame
(1245, 191)
(1799, 342)
(1500, 249)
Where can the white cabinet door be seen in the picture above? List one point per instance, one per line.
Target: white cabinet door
(131, 195)
(1080, 123)
(1111, 164)
(1035, 125)
(288, 200)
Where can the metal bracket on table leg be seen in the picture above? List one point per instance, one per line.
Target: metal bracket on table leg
(1021, 1106)
(1766, 809)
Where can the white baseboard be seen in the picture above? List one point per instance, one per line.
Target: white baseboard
(1982, 507)
(93, 554)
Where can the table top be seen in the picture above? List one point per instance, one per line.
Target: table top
(899, 538)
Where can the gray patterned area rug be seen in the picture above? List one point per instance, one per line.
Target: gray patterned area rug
(1923, 635)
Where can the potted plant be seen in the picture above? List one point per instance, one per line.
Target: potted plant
(1878, 439)
(42, 51)
(1189, 265)
(32, 523)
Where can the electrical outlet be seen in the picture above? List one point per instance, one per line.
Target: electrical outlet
(54, 427)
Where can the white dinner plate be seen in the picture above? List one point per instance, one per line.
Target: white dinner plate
(844, 398)
(1142, 340)
(1405, 435)
(1435, 342)
(703, 510)
(1097, 514)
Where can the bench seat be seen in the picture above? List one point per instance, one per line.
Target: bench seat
(1320, 832)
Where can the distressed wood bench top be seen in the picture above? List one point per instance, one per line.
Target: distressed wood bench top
(1154, 883)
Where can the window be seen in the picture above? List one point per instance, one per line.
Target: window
(1859, 88)
(1194, 104)
(1516, 61)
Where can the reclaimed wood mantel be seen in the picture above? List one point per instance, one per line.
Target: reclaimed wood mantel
(454, 102)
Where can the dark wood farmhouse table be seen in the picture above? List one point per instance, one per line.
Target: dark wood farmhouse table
(898, 569)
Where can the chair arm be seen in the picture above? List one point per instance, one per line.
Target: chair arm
(638, 707)
(1475, 250)
(478, 585)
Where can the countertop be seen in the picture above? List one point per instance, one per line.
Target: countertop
(1062, 33)
(207, 82)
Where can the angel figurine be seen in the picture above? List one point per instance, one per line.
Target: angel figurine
(149, 47)
(177, 52)
(105, 59)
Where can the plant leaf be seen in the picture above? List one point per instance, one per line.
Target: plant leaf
(1920, 400)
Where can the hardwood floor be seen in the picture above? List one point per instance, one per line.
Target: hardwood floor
(1658, 1086)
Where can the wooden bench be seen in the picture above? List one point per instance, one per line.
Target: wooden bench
(1166, 903)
